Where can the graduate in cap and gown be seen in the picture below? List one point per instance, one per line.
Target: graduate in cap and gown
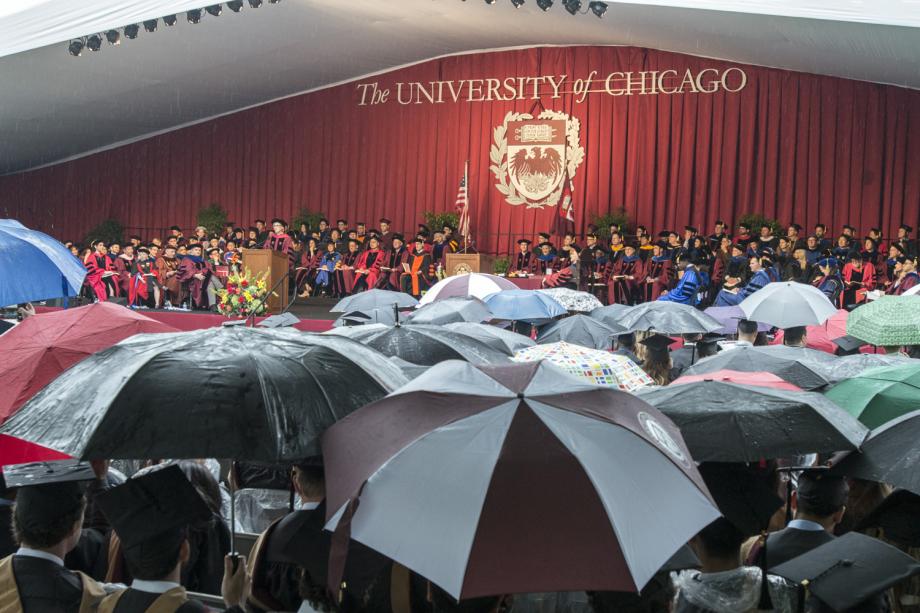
(47, 522)
(195, 275)
(152, 515)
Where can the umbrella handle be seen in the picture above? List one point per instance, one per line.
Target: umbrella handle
(396, 313)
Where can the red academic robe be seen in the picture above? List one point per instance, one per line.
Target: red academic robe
(188, 268)
(621, 291)
(523, 263)
(170, 283)
(345, 273)
(908, 281)
(143, 275)
(368, 261)
(280, 242)
(392, 269)
(94, 275)
(122, 266)
(660, 273)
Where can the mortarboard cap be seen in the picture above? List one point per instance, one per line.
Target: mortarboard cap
(524, 241)
(906, 228)
(47, 490)
(384, 220)
(820, 489)
(849, 570)
(691, 229)
(278, 220)
(828, 262)
(848, 344)
(847, 226)
(150, 512)
(397, 237)
(664, 234)
(658, 345)
(260, 221)
(898, 516)
(742, 495)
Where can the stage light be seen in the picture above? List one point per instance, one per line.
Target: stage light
(490, 2)
(235, 5)
(193, 16)
(94, 42)
(151, 25)
(113, 36)
(254, 4)
(131, 31)
(76, 47)
(518, 3)
(573, 6)
(545, 5)
(598, 8)
(214, 9)
(170, 20)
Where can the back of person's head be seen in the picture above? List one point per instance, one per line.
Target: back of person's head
(794, 335)
(156, 558)
(204, 482)
(442, 602)
(747, 328)
(721, 539)
(309, 480)
(43, 519)
(691, 337)
(655, 597)
(821, 495)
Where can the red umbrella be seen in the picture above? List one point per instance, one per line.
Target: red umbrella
(18, 451)
(760, 379)
(45, 345)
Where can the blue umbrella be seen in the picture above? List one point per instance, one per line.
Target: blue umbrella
(34, 266)
(523, 305)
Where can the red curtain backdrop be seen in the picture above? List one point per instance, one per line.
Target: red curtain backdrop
(792, 146)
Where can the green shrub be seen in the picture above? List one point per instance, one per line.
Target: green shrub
(500, 266)
(110, 231)
(619, 216)
(436, 221)
(213, 217)
(308, 217)
(755, 220)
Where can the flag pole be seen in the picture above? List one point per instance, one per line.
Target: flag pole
(466, 181)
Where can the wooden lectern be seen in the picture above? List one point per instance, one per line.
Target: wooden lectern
(277, 265)
(462, 263)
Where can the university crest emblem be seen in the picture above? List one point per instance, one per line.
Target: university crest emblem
(532, 158)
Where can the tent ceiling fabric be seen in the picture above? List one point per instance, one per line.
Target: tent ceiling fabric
(62, 106)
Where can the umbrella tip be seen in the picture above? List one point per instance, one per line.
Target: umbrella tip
(520, 395)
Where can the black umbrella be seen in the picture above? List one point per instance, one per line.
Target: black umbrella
(668, 318)
(580, 330)
(726, 422)
(751, 359)
(385, 316)
(890, 455)
(451, 310)
(374, 299)
(610, 314)
(241, 393)
(426, 345)
(501, 339)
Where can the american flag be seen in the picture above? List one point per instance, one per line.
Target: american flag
(463, 204)
(565, 216)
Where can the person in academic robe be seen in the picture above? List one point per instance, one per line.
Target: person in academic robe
(143, 289)
(417, 275)
(858, 278)
(168, 275)
(718, 233)
(101, 262)
(47, 523)
(744, 235)
(262, 232)
(656, 275)
(386, 233)
(828, 279)
(279, 239)
(195, 276)
(439, 249)
(909, 246)
(122, 265)
(906, 276)
(524, 262)
(345, 271)
(323, 282)
(720, 259)
(762, 273)
(566, 273)
(625, 277)
(688, 284)
(367, 266)
(305, 271)
(152, 515)
(391, 267)
(547, 263)
(94, 275)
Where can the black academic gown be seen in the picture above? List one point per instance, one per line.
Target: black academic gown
(789, 543)
(136, 601)
(7, 544)
(682, 359)
(46, 587)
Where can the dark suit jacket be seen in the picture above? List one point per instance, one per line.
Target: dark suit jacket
(790, 543)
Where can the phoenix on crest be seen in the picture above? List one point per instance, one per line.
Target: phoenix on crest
(537, 169)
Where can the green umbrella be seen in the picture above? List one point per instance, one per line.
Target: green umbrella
(879, 395)
(890, 321)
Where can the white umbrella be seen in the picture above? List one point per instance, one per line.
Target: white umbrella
(572, 300)
(788, 304)
(472, 285)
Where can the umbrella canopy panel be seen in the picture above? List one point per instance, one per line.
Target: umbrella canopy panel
(374, 299)
(751, 359)
(579, 330)
(788, 304)
(427, 344)
(668, 318)
(452, 310)
(524, 305)
(501, 339)
(472, 285)
(890, 321)
(598, 367)
(889, 455)
(572, 300)
(881, 394)
(35, 266)
(186, 396)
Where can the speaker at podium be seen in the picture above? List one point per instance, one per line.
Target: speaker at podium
(277, 265)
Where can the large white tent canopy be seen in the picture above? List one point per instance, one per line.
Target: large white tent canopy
(54, 106)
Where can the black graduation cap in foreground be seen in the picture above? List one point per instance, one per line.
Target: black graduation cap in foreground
(898, 517)
(849, 345)
(742, 495)
(47, 490)
(848, 570)
(657, 345)
(150, 513)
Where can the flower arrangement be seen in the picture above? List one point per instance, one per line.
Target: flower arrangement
(245, 294)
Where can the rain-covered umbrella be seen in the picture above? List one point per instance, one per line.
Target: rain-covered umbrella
(788, 304)
(374, 299)
(890, 455)
(452, 310)
(506, 341)
(448, 477)
(523, 305)
(819, 361)
(579, 330)
(237, 392)
(851, 365)
(45, 345)
(668, 318)
(425, 345)
(890, 321)
(35, 266)
(573, 300)
(17, 451)
(727, 422)
(729, 316)
(881, 394)
(752, 359)
(759, 379)
(611, 314)
(472, 285)
(598, 367)
(384, 315)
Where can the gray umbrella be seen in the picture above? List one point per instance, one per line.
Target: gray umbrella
(374, 299)
(451, 310)
(501, 339)
(727, 422)
(668, 318)
(849, 366)
(385, 316)
(426, 345)
(579, 330)
(753, 359)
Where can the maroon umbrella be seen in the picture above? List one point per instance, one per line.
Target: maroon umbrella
(509, 479)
